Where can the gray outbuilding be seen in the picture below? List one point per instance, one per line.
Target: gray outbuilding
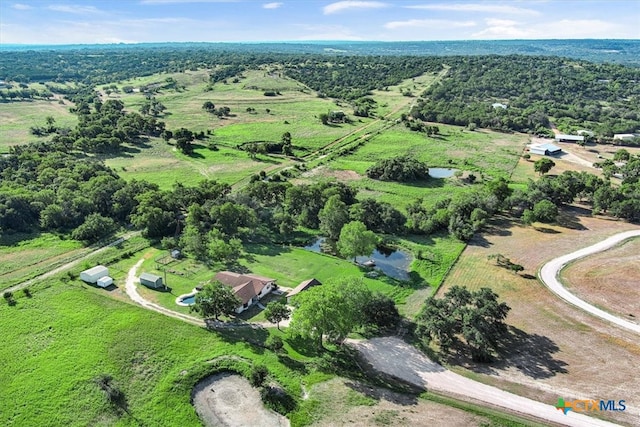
(151, 281)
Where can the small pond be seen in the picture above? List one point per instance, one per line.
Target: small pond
(441, 172)
(393, 263)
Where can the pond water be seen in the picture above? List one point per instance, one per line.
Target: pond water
(393, 263)
(441, 172)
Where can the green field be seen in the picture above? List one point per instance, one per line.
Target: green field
(23, 256)
(17, 117)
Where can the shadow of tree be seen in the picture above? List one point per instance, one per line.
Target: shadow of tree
(378, 393)
(531, 354)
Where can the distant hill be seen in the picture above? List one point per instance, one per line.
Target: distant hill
(611, 51)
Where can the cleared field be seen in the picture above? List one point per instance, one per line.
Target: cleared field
(17, 117)
(24, 256)
(162, 164)
(295, 110)
(610, 279)
(555, 349)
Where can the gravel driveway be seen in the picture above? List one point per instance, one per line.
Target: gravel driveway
(395, 357)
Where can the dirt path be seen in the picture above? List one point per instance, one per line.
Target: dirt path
(549, 276)
(132, 292)
(395, 357)
(69, 265)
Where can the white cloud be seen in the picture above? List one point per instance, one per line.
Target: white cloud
(352, 4)
(428, 23)
(477, 7)
(20, 6)
(562, 29)
(75, 9)
(273, 5)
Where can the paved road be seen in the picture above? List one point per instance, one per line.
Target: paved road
(71, 264)
(549, 276)
(395, 357)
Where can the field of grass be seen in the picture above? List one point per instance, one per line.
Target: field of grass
(553, 345)
(296, 110)
(59, 341)
(17, 117)
(24, 256)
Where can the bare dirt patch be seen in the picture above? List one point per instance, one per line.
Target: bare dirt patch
(555, 349)
(325, 172)
(229, 400)
(610, 280)
(355, 404)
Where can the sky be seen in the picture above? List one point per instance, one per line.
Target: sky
(140, 21)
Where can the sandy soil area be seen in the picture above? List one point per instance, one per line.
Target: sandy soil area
(610, 280)
(228, 400)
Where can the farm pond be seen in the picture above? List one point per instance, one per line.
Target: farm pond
(394, 263)
(441, 172)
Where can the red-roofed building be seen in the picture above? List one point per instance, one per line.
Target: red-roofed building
(249, 288)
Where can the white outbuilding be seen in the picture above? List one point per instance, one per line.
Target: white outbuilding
(104, 282)
(93, 274)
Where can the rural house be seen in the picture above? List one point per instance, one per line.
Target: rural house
(302, 287)
(249, 288)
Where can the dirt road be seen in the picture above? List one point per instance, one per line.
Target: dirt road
(69, 265)
(395, 357)
(549, 276)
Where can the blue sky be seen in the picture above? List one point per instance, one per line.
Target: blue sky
(137, 21)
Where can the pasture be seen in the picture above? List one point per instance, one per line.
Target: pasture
(16, 118)
(553, 346)
(608, 279)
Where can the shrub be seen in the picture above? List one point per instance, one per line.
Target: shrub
(258, 375)
(274, 343)
(401, 168)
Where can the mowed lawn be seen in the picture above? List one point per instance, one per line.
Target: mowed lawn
(557, 346)
(16, 118)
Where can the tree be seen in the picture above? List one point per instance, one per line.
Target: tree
(476, 316)
(380, 311)
(621, 155)
(276, 312)
(545, 211)
(331, 311)
(215, 300)
(209, 106)
(543, 165)
(333, 216)
(94, 227)
(356, 240)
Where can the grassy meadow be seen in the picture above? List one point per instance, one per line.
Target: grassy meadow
(17, 117)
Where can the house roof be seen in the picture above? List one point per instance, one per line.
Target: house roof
(552, 148)
(570, 137)
(304, 286)
(98, 269)
(245, 286)
(150, 277)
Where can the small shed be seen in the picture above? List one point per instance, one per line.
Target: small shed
(545, 149)
(176, 254)
(104, 282)
(93, 274)
(151, 281)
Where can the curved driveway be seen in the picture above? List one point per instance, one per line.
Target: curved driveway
(549, 276)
